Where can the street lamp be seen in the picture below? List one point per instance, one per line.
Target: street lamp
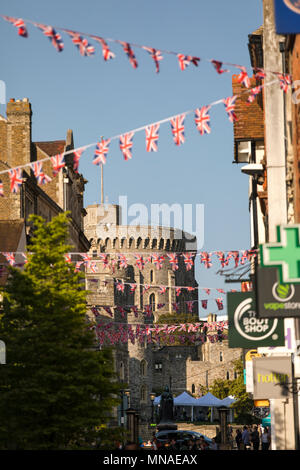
(124, 392)
(152, 397)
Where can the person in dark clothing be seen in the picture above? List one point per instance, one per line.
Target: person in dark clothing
(255, 438)
(238, 439)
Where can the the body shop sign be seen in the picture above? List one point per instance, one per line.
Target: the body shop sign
(245, 329)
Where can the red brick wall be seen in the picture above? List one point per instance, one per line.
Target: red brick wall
(250, 124)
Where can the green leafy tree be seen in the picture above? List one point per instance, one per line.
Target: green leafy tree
(56, 389)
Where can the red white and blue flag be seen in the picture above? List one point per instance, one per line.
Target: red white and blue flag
(206, 259)
(106, 52)
(177, 125)
(37, 168)
(178, 291)
(158, 260)
(202, 120)
(188, 260)
(125, 143)
(185, 60)
(58, 162)
(253, 94)
(10, 256)
(68, 257)
(156, 56)
(285, 81)
(204, 304)
(52, 35)
(133, 287)
(190, 305)
(173, 261)
(219, 304)
(76, 157)
(218, 66)
(230, 108)
(120, 286)
(18, 23)
(127, 49)
(101, 152)
(260, 74)
(162, 289)
(122, 261)
(243, 77)
(16, 180)
(152, 137)
(84, 47)
(139, 262)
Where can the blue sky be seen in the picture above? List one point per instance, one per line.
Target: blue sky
(94, 99)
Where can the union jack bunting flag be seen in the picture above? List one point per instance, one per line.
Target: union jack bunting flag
(236, 256)
(10, 257)
(230, 108)
(259, 74)
(104, 260)
(253, 94)
(221, 291)
(67, 257)
(127, 49)
(159, 306)
(133, 287)
(185, 60)
(139, 262)
(207, 291)
(86, 258)
(95, 311)
(146, 287)
(77, 266)
(92, 266)
(285, 81)
(177, 126)
(206, 259)
(162, 289)
(126, 145)
(182, 327)
(204, 304)
(219, 304)
(82, 44)
(123, 261)
(1, 189)
(156, 56)
(178, 291)
(122, 311)
(16, 180)
(221, 256)
(120, 286)
(188, 260)
(58, 162)
(218, 66)
(202, 120)
(190, 289)
(76, 157)
(173, 261)
(101, 152)
(158, 260)
(106, 52)
(244, 257)
(18, 23)
(148, 310)
(243, 77)
(152, 137)
(52, 35)
(37, 168)
(190, 305)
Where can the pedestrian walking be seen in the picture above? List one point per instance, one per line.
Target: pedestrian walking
(246, 438)
(238, 439)
(255, 438)
(265, 439)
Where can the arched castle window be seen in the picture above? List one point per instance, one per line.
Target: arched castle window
(139, 243)
(123, 242)
(152, 302)
(131, 241)
(161, 244)
(221, 356)
(154, 243)
(147, 242)
(227, 375)
(151, 275)
(168, 243)
(143, 395)
(193, 388)
(122, 374)
(143, 368)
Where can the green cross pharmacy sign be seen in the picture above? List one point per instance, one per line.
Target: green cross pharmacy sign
(284, 254)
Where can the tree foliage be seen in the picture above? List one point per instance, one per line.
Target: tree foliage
(55, 388)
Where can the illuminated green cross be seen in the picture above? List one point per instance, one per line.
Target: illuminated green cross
(285, 253)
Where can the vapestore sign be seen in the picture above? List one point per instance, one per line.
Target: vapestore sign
(275, 299)
(246, 330)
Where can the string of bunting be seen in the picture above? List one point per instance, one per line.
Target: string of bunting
(113, 332)
(201, 118)
(87, 49)
(240, 257)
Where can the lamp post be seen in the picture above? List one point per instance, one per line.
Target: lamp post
(152, 397)
(124, 392)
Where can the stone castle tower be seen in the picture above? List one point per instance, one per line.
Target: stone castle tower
(134, 363)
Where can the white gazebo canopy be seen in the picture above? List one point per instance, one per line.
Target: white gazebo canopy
(184, 399)
(208, 400)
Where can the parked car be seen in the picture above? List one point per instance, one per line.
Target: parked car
(163, 437)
